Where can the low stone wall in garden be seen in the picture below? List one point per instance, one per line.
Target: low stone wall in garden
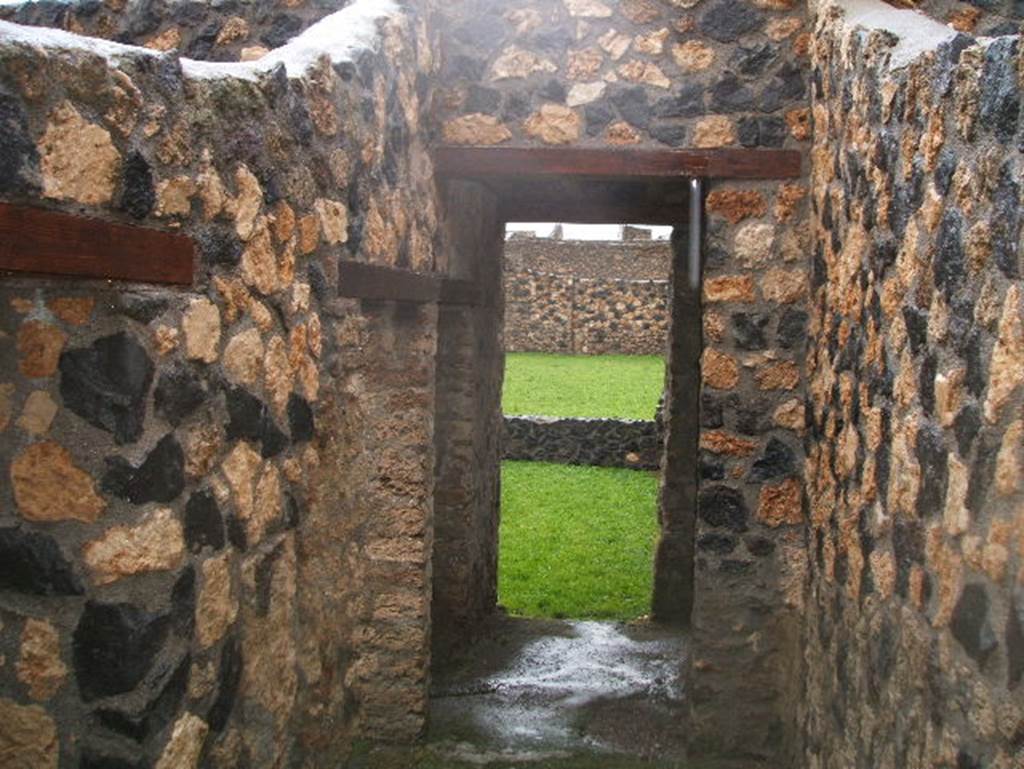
(628, 443)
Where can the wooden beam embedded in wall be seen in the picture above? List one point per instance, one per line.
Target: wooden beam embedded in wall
(43, 242)
(358, 280)
(485, 162)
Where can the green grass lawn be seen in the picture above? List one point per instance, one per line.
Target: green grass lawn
(576, 542)
(624, 386)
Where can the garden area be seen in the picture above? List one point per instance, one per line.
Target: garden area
(578, 542)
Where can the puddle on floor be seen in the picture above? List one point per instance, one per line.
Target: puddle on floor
(547, 689)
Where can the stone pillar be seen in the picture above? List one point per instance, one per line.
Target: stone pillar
(470, 367)
(677, 507)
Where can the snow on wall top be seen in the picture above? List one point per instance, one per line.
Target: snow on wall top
(339, 36)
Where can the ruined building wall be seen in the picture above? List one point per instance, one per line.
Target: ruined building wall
(583, 316)
(719, 73)
(596, 260)
(914, 641)
(215, 522)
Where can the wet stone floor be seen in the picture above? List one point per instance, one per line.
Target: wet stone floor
(559, 694)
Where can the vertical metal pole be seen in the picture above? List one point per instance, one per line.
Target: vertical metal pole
(696, 232)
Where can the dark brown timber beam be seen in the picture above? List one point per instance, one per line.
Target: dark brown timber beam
(484, 162)
(35, 240)
(357, 280)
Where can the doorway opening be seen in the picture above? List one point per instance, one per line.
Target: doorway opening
(585, 338)
(542, 683)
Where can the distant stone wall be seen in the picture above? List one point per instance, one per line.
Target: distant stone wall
(566, 314)
(628, 443)
(597, 260)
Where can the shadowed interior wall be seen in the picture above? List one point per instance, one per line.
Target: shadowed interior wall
(677, 496)
(470, 369)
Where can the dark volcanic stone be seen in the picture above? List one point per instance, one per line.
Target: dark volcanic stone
(553, 91)
(227, 688)
(688, 102)
(721, 544)
(722, 506)
(632, 106)
(158, 708)
(597, 117)
(141, 307)
(777, 461)
(106, 384)
(219, 247)
(748, 131)
(711, 468)
(908, 547)
(250, 418)
(1000, 97)
(725, 20)
(1006, 223)
(100, 759)
(283, 28)
(971, 626)
(760, 546)
(787, 86)
(916, 322)
(179, 391)
(17, 151)
(300, 419)
(138, 195)
(771, 131)
(204, 524)
(1015, 642)
(33, 563)
(752, 61)
(748, 331)
(932, 456)
(730, 95)
(792, 330)
(484, 100)
(517, 106)
(669, 133)
(948, 265)
(966, 427)
(183, 603)
(753, 417)
(160, 477)
(114, 646)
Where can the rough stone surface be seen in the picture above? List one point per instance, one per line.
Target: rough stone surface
(49, 487)
(107, 384)
(114, 646)
(154, 544)
(78, 160)
(29, 738)
(34, 564)
(40, 667)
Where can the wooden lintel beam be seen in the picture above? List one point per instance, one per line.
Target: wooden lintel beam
(43, 242)
(631, 164)
(357, 280)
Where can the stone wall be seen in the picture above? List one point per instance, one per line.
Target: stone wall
(590, 259)
(634, 444)
(633, 72)
(716, 73)
(240, 30)
(216, 532)
(567, 314)
(915, 618)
